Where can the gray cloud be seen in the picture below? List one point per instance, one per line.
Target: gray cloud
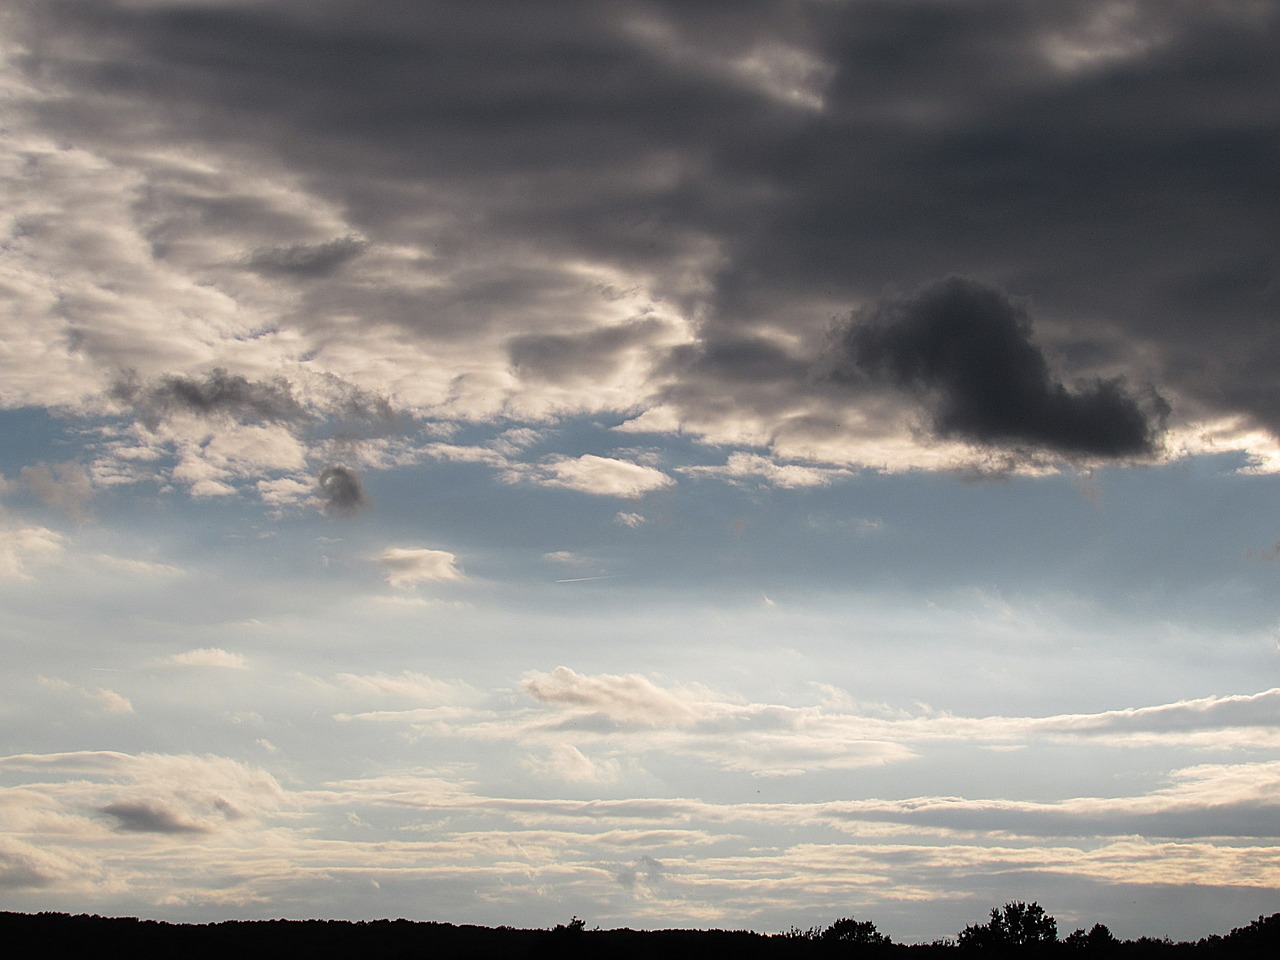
(307, 260)
(967, 350)
(759, 173)
(646, 869)
(143, 817)
(218, 393)
(18, 871)
(563, 357)
(341, 490)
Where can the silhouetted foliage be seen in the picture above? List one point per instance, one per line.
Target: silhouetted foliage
(1018, 929)
(1099, 941)
(1019, 926)
(862, 933)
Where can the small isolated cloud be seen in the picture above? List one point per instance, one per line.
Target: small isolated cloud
(341, 491)
(23, 549)
(966, 350)
(406, 566)
(212, 657)
(567, 557)
(631, 520)
(603, 476)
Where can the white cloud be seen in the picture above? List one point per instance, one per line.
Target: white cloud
(630, 699)
(137, 568)
(631, 520)
(603, 476)
(284, 491)
(151, 793)
(26, 548)
(406, 566)
(741, 466)
(566, 557)
(106, 701)
(567, 763)
(408, 685)
(211, 657)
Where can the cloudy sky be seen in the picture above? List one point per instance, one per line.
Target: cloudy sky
(693, 463)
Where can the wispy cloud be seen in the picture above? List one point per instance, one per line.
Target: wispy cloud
(209, 657)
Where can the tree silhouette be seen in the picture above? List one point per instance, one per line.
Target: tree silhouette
(1098, 940)
(1018, 925)
(855, 933)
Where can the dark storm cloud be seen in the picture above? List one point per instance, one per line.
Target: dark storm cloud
(562, 356)
(952, 143)
(218, 393)
(1116, 162)
(142, 817)
(341, 490)
(738, 358)
(307, 260)
(967, 350)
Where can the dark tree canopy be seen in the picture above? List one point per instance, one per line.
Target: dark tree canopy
(1019, 925)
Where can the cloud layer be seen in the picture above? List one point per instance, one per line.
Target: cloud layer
(640, 213)
(191, 830)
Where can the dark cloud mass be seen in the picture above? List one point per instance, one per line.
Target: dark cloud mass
(341, 491)
(758, 168)
(967, 350)
(218, 393)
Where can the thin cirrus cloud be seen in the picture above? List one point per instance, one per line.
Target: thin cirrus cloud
(630, 715)
(212, 657)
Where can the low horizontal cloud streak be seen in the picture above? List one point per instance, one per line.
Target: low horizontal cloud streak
(629, 716)
(217, 823)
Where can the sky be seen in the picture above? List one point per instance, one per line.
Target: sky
(679, 464)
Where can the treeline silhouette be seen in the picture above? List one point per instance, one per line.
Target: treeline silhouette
(1016, 930)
